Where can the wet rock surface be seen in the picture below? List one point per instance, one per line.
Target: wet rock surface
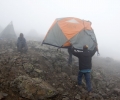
(33, 88)
(43, 74)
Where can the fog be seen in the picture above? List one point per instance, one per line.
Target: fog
(38, 15)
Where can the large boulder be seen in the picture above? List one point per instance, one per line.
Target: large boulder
(33, 88)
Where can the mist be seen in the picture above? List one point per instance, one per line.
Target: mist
(38, 15)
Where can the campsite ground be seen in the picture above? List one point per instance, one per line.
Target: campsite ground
(43, 74)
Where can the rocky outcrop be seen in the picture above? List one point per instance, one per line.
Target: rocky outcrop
(33, 88)
(43, 73)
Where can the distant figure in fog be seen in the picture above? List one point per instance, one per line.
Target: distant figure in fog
(21, 43)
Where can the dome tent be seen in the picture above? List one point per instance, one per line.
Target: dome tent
(70, 30)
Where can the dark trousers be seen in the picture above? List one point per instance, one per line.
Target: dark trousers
(70, 59)
(21, 47)
(70, 56)
(87, 79)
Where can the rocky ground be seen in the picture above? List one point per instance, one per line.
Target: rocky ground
(43, 74)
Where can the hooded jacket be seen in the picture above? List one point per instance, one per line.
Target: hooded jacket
(21, 40)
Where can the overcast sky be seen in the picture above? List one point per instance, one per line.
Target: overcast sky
(40, 14)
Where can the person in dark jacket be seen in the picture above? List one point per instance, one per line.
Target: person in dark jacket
(85, 65)
(21, 43)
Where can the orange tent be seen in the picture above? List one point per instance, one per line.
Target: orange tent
(70, 30)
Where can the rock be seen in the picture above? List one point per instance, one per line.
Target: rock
(35, 68)
(65, 94)
(98, 76)
(66, 98)
(37, 48)
(53, 84)
(3, 95)
(37, 73)
(64, 75)
(96, 96)
(77, 97)
(116, 91)
(73, 78)
(60, 89)
(28, 67)
(83, 90)
(33, 88)
(2, 52)
(107, 89)
(10, 50)
(104, 95)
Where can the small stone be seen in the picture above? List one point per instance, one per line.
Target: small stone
(83, 90)
(53, 84)
(77, 97)
(73, 78)
(38, 71)
(65, 94)
(60, 89)
(116, 91)
(66, 98)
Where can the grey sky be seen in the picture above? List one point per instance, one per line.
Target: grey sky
(40, 14)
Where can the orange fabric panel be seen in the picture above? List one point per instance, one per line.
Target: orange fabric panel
(66, 44)
(71, 26)
(51, 27)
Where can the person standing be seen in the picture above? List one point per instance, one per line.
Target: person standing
(85, 65)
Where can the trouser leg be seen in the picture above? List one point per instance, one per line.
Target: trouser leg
(70, 59)
(19, 47)
(25, 48)
(88, 81)
(80, 74)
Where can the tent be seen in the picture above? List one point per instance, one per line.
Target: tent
(70, 30)
(8, 32)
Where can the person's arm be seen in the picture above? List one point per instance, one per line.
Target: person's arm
(75, 53)
(93, 52)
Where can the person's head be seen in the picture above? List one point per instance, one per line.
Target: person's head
(21, 34)
(85, 47)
